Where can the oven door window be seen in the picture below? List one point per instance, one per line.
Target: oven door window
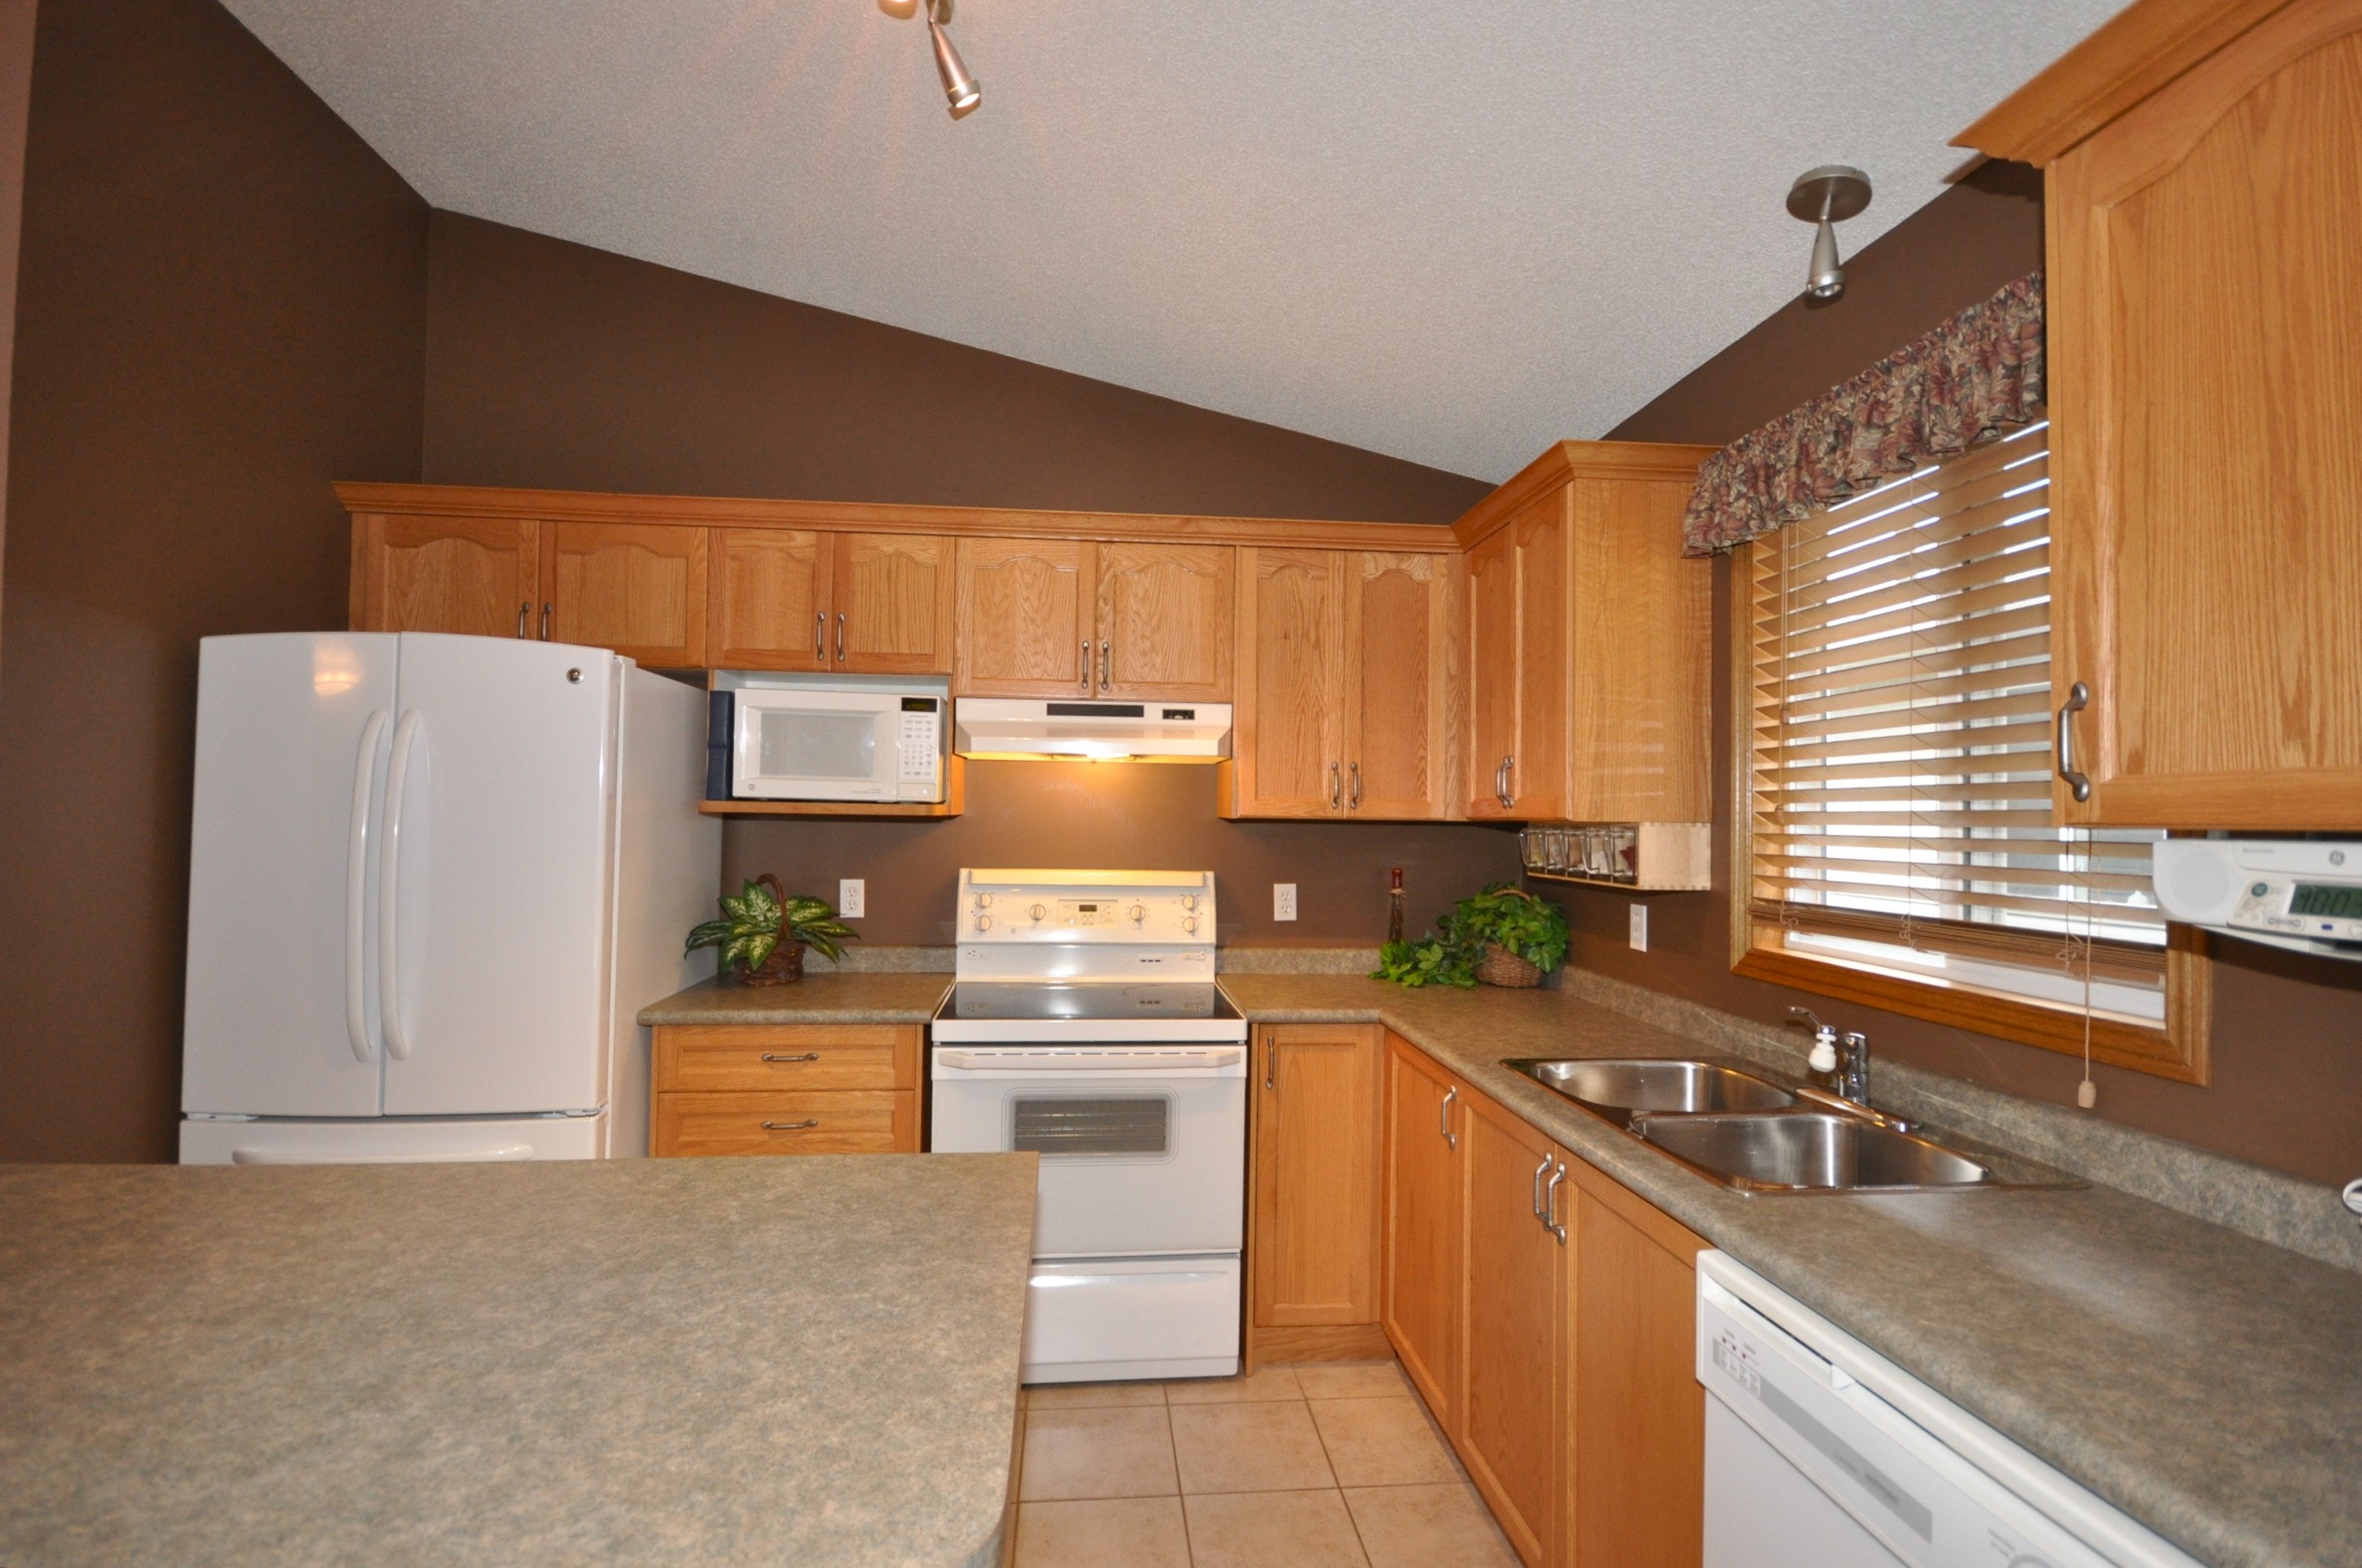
(805, 744)
(1138, 1126)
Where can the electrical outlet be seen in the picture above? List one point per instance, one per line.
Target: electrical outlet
(852, 897)
(1640, 927)
(1283, 900)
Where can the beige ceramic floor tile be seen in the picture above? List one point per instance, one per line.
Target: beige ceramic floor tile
(1265, 1383)
(1113, 1533)
(1419, 1526)
(1096, 1454)
(1272, 1530)
(1352, 1380)
(1382, 1443)
(1092, 1395)
(1252, 1447)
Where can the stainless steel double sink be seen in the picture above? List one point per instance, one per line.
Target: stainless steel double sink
(1754, 1135)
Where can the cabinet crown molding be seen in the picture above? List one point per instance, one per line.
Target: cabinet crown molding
(872, 516)
(1568, 460)
(2134, 53)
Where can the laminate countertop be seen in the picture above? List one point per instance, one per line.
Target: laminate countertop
(2207, 1383)
(807, 1362)
(845, 998)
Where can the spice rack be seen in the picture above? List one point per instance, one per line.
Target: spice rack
(1638, 857)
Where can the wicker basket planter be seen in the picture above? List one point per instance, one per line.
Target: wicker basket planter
(786, 964)
(1501, 967)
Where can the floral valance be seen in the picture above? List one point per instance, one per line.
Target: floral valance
(1975, 375)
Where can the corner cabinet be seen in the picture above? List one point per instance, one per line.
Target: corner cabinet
(2203, 198)
(1589, 641)
(1344, 677)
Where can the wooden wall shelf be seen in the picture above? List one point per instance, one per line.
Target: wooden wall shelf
(954, 802)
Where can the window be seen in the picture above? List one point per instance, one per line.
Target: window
(1897, 840)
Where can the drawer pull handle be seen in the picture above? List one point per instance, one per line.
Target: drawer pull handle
(774, 1056)
(789, 1126)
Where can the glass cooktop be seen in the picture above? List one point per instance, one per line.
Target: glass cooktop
(1028, 1001)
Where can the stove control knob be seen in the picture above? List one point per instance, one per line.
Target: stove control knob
(1189, 901)
(1138, 913)
(1037, 911)
(984, 922)
(1189, 923)
(984, 901)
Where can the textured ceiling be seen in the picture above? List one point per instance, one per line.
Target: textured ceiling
(1453, 233)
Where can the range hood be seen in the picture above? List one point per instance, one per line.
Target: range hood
(1063, 728)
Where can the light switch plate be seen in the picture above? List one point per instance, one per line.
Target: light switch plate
(1283, 900)
(1640, 927)
(852, 897)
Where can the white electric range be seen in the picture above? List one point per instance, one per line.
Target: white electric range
(1085, 1025)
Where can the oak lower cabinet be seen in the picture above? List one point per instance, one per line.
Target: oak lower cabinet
(1419, 1285)
(1343, 667)
(741, 1088)
(1507, 1424)
(1313, 1249)
(2203, 193)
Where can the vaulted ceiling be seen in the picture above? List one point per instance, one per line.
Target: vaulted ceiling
(1451, 233)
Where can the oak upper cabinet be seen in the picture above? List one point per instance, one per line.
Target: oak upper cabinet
(637, 588)
(1025, 613)
(1636, 1471)
(2203, 197)
(1419, 1285)
(1589, 640)
(1163, 614)
(1315, 1255)
(1401, 661)
(1509, 1423)
(770, 600)
(474, 576)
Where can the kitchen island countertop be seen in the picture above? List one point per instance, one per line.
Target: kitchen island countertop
(855, 997)
(2208, 1384)
(762, 1361)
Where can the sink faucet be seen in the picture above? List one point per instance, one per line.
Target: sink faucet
(1851, 1069)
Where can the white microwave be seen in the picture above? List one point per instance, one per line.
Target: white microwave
(839, 742)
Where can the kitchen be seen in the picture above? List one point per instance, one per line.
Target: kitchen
(203, 356)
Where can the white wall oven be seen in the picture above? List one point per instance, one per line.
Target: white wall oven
(1086, 1026)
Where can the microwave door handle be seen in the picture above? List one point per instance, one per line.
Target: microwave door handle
(356, 889)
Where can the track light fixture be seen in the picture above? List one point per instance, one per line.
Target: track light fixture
(1825, 197)
(961, 89)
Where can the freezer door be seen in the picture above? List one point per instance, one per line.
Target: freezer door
(282, 1002)
(384, 1141)
(499, 841)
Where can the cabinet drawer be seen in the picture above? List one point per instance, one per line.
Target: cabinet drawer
(835, 1122)
(741, 1057)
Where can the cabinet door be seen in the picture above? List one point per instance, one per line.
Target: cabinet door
(1418, 1296)
(1023, 609)
(1397, 636)
(892, 604)
(1643, 640)
(1316, 1169)
(637, 588)
(1164, 621)
(1287, 730)
(470, 575)
(1492, 671)
(1539, 777)
(1511, 1321)
(770, 600)
(2206, 583)
(1637, 1491)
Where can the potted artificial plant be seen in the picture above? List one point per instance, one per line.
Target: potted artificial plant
(1502, 937)
(764, 932)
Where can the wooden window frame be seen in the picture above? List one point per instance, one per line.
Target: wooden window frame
(2176, 1050)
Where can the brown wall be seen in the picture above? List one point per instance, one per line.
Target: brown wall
(2288, 1081)
(1136, 815)
(552, 364)
(220, 309)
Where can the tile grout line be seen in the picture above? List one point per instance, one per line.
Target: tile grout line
(1336, 1482)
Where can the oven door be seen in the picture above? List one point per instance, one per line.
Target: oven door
(1143, 1147)
(803, 745)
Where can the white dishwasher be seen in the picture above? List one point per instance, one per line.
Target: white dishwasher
(1821, 1453)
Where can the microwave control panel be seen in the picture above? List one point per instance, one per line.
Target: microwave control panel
(919, 745)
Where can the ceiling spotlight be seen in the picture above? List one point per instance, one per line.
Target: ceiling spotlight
(1824, 197)
(960, 88)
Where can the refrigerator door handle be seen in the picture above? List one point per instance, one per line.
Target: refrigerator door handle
(356, 889)
(389, 900)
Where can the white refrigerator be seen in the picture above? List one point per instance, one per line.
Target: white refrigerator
(432, 880)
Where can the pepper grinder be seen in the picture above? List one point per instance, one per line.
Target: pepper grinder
(1395, 909)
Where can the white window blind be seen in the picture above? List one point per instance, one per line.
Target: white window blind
(1901, 732)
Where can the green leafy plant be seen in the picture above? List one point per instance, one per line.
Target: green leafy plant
(758, 920)
(1528, 927)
